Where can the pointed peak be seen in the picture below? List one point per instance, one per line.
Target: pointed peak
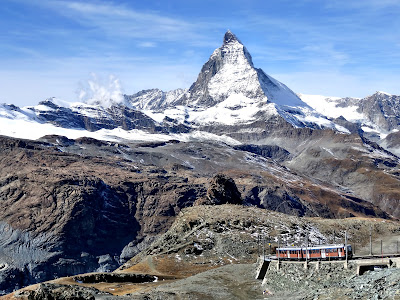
(382, 93)
(230, 37)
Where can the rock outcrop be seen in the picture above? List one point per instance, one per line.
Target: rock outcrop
(222, 190)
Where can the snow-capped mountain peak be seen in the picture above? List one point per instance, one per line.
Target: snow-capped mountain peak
(382, 93)
(233, 51)
(230, 90)
(230, 73)
(230, 37)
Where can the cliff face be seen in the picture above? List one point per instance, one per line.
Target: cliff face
(64, 214)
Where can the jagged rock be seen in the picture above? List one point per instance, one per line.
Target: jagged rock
(51, 291)
(222, 190)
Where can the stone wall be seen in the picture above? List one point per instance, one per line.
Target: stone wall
(294, 276)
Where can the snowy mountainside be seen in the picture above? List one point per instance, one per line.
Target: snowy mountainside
(377, 115)
(154, 99)
(230, 71)
(74, 120)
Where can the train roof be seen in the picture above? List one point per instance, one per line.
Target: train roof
(314, 247)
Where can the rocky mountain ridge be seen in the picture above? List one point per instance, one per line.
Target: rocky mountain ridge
(74, 206)
(375, 117)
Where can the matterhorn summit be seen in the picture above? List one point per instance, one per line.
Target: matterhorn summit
(229, 90)
(229, 73)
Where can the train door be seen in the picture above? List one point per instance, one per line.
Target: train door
(288, 253)
(323, 253)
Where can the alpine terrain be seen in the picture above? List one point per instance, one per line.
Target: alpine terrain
(175, 184)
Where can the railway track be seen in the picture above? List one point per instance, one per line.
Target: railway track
(375, 256)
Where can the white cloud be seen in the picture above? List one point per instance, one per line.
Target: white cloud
(100, 91)
(147, 44)
(117, 20)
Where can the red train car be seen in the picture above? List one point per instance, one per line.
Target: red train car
(324, 252)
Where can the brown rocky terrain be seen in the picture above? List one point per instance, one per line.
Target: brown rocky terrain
(74, 206)
(210, 253)
(70, 207)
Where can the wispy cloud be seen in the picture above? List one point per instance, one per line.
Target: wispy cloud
(363, 4)
(121, 21)
(147, 44)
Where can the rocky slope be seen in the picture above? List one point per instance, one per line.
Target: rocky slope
(61, 211)
(210, 251)
(73, 206)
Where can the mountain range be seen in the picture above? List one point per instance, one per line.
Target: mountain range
(74, 174)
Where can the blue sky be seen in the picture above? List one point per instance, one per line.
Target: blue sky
(335, 48)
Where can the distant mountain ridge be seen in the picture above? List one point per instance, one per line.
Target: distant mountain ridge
(376, 116)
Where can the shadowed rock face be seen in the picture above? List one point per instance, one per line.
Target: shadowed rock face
(93, 119)
(275, 152)
(222, 190)
(63, 213)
